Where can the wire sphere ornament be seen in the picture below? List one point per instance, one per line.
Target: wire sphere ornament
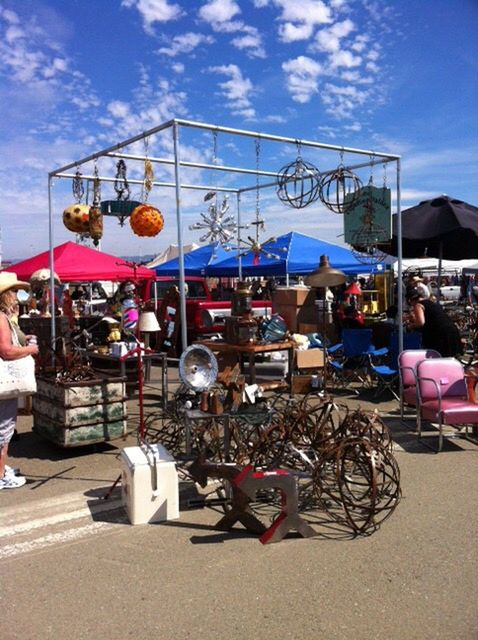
(219, 227)
(358, 481)
(366, 246)
(340, 190)
(298, 184)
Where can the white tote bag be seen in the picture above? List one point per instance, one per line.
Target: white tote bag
(17, 377)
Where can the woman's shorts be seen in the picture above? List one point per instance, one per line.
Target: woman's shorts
(8, 419)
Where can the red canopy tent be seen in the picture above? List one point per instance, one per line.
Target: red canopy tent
(76, 263)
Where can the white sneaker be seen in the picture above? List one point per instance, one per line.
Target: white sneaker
(11, 471)
(10, 481)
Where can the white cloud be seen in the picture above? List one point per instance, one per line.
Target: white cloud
(360, 42)
(178, 67)
(355, 126)
(275, 118)
(219, 15)
(372, 67)
(35, 68)
(342, 101)
(185, 43)
(300, 18)
(251, 41)
(302, 73)
(329, 39)
(153, 11)
(218, 12)
(236, 90)
(289, 32)
(344, 59)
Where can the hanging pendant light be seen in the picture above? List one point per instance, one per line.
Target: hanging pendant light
(325, 275)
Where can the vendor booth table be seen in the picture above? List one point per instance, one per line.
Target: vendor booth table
(109, 364)
(250, 351)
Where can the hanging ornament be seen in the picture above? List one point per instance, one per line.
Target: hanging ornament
(78, 187)
(298, 184)
(148, 179)
(76, 218)
(96, 217)
(219, 227)
(336, 186)
(146, 220)
(122, 207)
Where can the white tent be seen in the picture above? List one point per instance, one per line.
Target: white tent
(170, 253)
(430, 265)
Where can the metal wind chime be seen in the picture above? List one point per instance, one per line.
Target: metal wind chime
(253, 245)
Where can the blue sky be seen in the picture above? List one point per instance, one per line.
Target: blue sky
(81, 75)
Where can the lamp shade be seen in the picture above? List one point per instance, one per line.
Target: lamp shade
(325, 275)
(148, 323)
(353, 289)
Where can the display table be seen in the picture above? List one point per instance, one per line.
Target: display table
(250, 350)
(105, 363)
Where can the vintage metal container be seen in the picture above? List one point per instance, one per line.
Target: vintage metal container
(72, 414)
(240, 330)
(241, 303)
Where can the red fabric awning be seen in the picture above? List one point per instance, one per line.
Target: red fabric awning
(76, 263)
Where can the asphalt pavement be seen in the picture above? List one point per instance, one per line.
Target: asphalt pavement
(73, 567)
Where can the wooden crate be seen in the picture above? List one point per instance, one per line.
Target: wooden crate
(79, 413)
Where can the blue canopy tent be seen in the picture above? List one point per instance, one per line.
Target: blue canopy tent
(297, 253)
(195, 262)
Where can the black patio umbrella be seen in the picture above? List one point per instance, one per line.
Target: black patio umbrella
(440, 228)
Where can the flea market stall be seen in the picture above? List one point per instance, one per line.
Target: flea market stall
(217, 414)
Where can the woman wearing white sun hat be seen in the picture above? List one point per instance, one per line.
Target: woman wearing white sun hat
(10, 349)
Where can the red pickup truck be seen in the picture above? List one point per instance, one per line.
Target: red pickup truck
(204, 312)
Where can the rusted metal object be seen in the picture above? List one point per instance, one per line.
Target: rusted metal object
(341, 460)
(251, 482)
(358, 483)
(238, 509)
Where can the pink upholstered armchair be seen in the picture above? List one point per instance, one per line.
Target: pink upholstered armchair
(443, 397)
(407, 366)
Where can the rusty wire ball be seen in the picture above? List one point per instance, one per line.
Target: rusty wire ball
(358, 482)
(336, 186)
(298, 184)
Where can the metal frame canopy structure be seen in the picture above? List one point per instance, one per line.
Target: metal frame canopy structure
(176, 127)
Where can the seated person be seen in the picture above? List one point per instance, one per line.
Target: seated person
(352, 318)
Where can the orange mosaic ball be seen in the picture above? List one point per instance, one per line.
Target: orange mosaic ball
(146, 220)
(77, 218)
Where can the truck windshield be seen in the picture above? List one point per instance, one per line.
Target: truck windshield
(194, 288)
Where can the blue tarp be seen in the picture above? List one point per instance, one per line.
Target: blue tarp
(298, 254)
(195, 262)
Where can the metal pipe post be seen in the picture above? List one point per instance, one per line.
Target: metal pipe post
(182, 288)
(399, 255)
(239, 256)
(52, 273)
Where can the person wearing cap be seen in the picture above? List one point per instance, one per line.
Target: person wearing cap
(438, 330)
(9, 285)
(419, 283)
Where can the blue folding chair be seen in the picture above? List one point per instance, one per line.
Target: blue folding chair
(351, 361)
(388, 375)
